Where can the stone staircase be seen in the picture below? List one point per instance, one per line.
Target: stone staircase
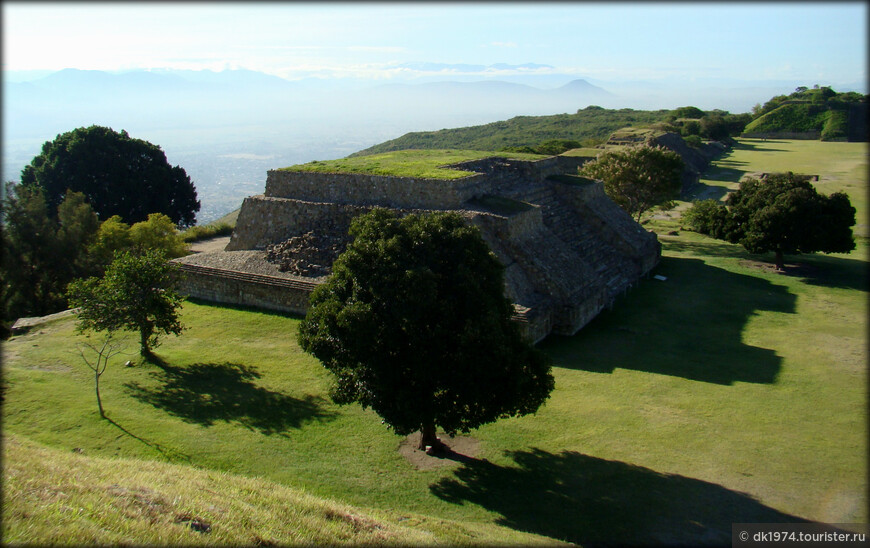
(612, 268)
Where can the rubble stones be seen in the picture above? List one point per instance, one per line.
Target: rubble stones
(310, 254)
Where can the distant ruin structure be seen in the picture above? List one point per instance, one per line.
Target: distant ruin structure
(568, 250)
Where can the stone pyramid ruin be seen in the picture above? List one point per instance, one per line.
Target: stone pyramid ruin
(568, 250)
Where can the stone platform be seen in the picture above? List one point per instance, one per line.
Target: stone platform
(568, 249)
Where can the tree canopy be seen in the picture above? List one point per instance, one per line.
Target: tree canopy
(118, 175)
(137, 293)
(783, 213)
(637, 178)
(42, 254)
(414, 323)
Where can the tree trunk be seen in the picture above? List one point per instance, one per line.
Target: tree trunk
(145, 349)
(97, 385)
(428, 437)
(780, 261)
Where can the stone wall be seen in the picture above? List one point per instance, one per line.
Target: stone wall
(246, 289)
(265, 220)
(371, 190)
(803, 135)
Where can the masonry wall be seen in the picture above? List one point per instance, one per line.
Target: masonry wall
(396, 192)
(265, 220)
(241, 288)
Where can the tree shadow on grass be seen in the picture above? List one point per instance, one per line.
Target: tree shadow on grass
(828, 271)
(689, 326)
(204, 393)
(818, 269)
(244, 308)
(752, 146)
(597, 502)
(727, 172)
(171, 455)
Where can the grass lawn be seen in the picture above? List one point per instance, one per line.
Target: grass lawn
(727, 393)
(427, 164)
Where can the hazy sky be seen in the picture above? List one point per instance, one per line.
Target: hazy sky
(807, 41)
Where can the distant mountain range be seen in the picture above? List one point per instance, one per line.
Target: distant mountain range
(227, 128)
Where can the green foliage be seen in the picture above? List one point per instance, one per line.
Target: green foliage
(637, 177)
(414, 323)
(203, 232)
(693, 141)
(690, 128)
(42, 254)
(687, 112)
(706, 217)
(158, 233)
(590, 123)
(118, 175)
(782, 213)
(714, 128)
(113, 235)
(137, 293)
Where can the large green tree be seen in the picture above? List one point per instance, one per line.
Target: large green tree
(118, 175)
(638, 178)
(783, 213)
(41, 254)
(136, 293)
(414, 323)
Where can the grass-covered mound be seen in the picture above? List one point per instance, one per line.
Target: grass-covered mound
(424, 164)
(61, 497)
(833, 116)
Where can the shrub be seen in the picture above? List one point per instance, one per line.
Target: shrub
(706, 217)
(202, 232)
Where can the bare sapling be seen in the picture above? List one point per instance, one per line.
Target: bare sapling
(101, 353)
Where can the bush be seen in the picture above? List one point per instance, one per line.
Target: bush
(203, 232)
(694, 141)
(706, 217)
(692, 127)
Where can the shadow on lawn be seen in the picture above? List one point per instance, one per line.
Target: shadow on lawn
(171, 455)
(746, 145)
(689, 326)
(596, 502)
(812, 268)
(204, 393)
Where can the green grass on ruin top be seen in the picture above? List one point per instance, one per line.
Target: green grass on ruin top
(583, 152)
(425, 164)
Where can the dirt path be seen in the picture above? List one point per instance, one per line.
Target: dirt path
(212, 244)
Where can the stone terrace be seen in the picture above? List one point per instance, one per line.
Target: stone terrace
(569, 251)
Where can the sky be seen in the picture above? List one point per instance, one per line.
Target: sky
(823, 42)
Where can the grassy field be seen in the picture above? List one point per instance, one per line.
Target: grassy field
(727, 393)
(426, 164)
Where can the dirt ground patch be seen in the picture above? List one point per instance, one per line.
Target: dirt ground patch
(212, 244)
(791, 269)
(459, 449)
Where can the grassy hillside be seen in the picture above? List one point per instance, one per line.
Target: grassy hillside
(834, 116)
(796, 117)
(407, 163)
(727, 393)
(61, 497)
(589, 123)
